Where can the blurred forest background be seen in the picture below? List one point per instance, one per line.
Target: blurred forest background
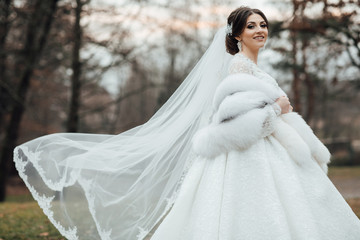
(107, 66)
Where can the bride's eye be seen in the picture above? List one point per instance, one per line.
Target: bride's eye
(263, 25)
(250, 26)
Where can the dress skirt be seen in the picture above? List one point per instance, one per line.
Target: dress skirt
(258, 194)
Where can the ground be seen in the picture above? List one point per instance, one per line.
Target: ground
(22, 219)
(347, 181)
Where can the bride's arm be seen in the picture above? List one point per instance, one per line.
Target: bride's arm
(281, 106)
(245, 111)
(242, 118)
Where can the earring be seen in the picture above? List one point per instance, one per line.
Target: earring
(239, 45)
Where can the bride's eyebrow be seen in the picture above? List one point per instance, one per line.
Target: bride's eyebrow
(255, 22)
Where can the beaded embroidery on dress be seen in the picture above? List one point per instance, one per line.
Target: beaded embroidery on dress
(242, 64)
(259, 193)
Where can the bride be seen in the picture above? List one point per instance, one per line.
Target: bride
(225, 158)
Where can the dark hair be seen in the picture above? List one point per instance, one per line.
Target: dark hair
(237, 19)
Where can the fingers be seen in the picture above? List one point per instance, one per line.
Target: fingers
(282, 98)
(286, 99)
(285, 104)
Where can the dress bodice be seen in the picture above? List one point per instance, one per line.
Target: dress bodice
(242, 64)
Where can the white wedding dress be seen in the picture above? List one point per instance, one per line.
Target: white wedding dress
(257, 194)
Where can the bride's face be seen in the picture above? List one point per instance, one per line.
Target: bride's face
(255, 33)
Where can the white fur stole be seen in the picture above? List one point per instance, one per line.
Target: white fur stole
(240, 104)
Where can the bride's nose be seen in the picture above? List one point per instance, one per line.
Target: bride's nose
(259, 29)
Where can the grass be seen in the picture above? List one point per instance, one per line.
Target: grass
(355, 205)
(25, 220)
(347, 173)
(344, 172)
(22, 219)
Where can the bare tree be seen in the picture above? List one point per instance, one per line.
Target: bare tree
(37, 31)
(73, 118)
(343, 29)
(5, 91)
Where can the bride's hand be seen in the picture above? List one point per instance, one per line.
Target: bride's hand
(284, 104)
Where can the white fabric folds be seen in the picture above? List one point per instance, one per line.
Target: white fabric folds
(118, 186)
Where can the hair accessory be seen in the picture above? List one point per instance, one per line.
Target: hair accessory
(229, 29)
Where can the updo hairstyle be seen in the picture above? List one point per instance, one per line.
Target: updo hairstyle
(237, 19)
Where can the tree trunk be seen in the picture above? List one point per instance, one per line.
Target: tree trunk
(296, 80)
(295, 72)
(310, 87)
(73, 120)
(37, 32)
(4, 28)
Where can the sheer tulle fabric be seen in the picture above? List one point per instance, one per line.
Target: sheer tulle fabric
(95, 186)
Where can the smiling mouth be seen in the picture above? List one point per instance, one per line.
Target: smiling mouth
(259, 37)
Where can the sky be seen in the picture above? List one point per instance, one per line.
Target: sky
(273, 9)
(126, 11)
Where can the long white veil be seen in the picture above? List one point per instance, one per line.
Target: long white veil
(94, 186)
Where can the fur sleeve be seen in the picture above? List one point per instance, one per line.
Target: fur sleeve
(243, 83)
(239, 133)
(318, 150)
(243, 115)
(272, 115)
(240, 103)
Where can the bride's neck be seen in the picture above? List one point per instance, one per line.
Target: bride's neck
(252, 55)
